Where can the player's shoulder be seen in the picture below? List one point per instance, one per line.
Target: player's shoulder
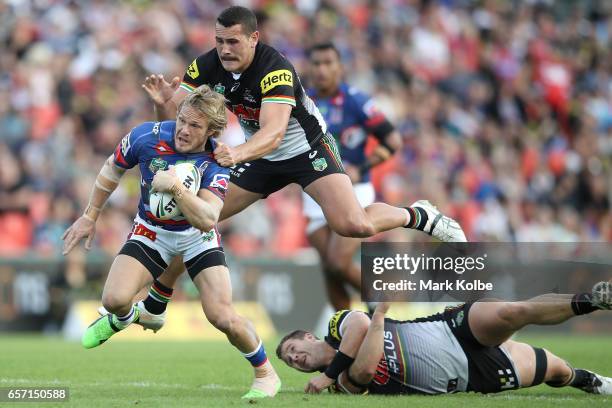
(269, 59)
(336, 323)
(208, 61)
(156, 130)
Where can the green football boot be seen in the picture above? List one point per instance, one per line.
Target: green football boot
(101, 330)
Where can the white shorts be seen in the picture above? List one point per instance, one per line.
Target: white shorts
(155, 247)
(365, 195)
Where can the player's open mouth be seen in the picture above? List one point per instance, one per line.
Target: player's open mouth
(182, 140)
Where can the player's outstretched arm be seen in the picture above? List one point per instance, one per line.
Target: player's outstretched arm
(273, 121)
(166, 96)
(85, 226)
(201, 210)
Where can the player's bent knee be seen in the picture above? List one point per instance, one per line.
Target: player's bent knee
(114, 302)
(224, 319)
(354, 228)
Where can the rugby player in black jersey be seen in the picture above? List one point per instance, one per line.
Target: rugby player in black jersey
(287, 138)
(465, 348)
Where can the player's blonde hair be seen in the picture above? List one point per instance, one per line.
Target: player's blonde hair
(211, 104)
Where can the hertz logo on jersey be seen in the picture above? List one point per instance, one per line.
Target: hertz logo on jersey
(192, 70)
(276, 78)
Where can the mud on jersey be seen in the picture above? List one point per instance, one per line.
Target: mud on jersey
(151, 147)
(351, 116)
(420, 356)
(270, 78)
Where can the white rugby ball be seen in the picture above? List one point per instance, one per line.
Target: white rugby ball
(163, 205)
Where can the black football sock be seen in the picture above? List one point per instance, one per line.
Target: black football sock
(417, 218)
(581, 304)
(159, 296)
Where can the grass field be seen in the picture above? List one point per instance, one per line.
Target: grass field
(212, 374)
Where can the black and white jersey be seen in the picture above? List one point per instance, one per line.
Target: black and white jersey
(270, 78)
(420, 356)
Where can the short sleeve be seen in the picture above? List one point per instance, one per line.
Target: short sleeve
(277, 83)
(215, 179)
(194, 74)
(335, 328)
(126, 152)
(371, 117)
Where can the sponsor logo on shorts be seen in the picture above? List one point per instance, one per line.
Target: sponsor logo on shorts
(208, 236)
(506, 379)
(459, 318)
(276, 78)
(319, 164)
(158, 164)
(192, 70)
(141, 230)
(312, 154)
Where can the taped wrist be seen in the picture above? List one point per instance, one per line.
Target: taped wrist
(340, 363)
(92, 212)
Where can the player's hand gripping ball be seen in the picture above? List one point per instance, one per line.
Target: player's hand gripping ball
(161, 202)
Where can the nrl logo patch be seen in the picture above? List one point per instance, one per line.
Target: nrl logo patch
(219, 89)
(158, 164)
(208, 236)
(319, 164)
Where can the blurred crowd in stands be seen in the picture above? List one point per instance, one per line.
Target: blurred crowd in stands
(505, 109)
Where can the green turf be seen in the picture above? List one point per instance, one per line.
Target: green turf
(189, 374)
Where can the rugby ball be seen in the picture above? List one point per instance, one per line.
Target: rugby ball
(163, 206)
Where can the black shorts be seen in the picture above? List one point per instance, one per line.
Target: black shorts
(155, 264)
(490, 369)
(266, 177)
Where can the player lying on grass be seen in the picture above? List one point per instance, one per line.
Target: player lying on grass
(465, 348)
(154, 242)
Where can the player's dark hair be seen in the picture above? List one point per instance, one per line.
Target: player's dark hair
(296, 334)
(239, 15)
(324, 46)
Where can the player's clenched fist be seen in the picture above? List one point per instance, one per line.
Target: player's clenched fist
(225, 155)
(160, 91)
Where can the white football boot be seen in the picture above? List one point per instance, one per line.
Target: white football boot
(439, 225)
(601, 385)
(147, 320)
(601, 295)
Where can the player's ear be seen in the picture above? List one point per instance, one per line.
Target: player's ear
(254, 39)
